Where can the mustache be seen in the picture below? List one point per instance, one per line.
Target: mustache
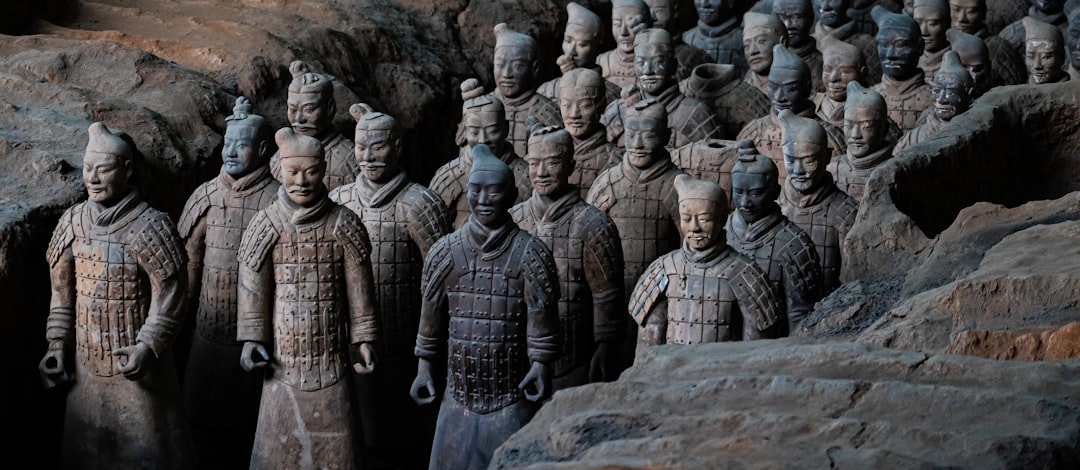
(372, 165)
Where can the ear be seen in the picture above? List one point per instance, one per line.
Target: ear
(397, 147)
(263, 147)
(331, 107)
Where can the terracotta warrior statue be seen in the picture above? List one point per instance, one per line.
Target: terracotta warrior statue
(869, 142)
(760, 33)
(1044, 53)
(789, 89)
(665, 15)
(517, 63)
(588, 254)
(718, 33)
(733, 102)
(1072, 39)
(900, 45)
(797, 16)
(1051, 12)
(307, 294)
(864, 21)
(843, 64)
(483, 121)
(835, 22)
(690, 119)
(757, 229)
(952, 92)
(932, 16)
(628, 17)
(639, 196)
(221, 399)
(582, 39)
(311, 113)
(489, 305)
(709, 160)
(810, 197)
(119, 273)
(969, 16)
(975, 57)
(403, 219)
(581, 103)
(703, 292)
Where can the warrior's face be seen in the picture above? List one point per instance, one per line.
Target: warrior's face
(979, 68)
(712, 12)
(654, 67)
(864, 129)
(663, 12)
(486, 127)
(951, 97)
(837, 71)
(1044, 60)
(377, 151)
(311, 114)
(302, 178)
(899, 50)
(549, 171)
(798, 19)
(805, 165)
(932, 26)
(1048, 7)
(754, 195)
(515, 70)
(967, 15)
(702, 221)
(106, 177)
(758, 52)
(242, 152)
(625, 24)
(580, 110)
(490, 196)
(834, 12)
(645, 140)
(788, 89)
(581, 45)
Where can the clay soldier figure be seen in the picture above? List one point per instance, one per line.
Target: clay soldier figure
(690, 119)
(869, 143)
(864, 21)
(665, 15)
(834, 22)
(734, 102)
(588, 253)
(311, 113)
(844, 64)
(810, 197)
(932, 17)
(709, 160)
(483, 121)
(639, 196)
(490, 298)
(760, 33)
(902, 84)
(581, 103)
(1044, 53)
(516, 66)
(403, 219)
(703, 292)
(975, 57)
(306, 293)
(1051, 12)
(969, 16)
(582, 39)
(221, 399)
(757, 229)
(118, 272)
(718, 33)
(952, 91)
(628, 17)
(789, 89)
(797, 16)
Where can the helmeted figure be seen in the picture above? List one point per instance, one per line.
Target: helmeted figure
(797, 18)
(403, 219)
(482, 122)
(760, 33)
(582, 39)
(843, 64)
(311, 113)
(757, 229)
(839, 26)
(516, 67)
(639, 196)
(789, 89)
(933, 19)
(220, 398)
(1051, 12)
(628, 17)
(490, 296)
(581, 103)
(690, 119)
(709, 160)
(665, 15)
(588, 253)
(810, 197)
(902, 84)
(869, 141)
(307, 294)
(733, 102)
(118, 272)
(969, 16)
(952, 91)
(1044, 53)
(864, 21)
(703, 292)
(718, 33)
(975, 57)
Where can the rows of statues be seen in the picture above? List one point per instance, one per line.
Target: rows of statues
(685, 187)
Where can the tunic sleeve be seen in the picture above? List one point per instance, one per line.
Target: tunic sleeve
(433, 314)
(359, 279)
(603, 261)
(160, 254)
(542, 301)
(255, 287)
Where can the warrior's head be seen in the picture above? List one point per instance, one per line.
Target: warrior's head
(583, 36)
(833, 13)
(755, 184)
(842, 63)
(664, 13)
(968, 16)
(899, 43)
(932, 17)
(646, 133)
(483, 118)
(517, 61)
(702, 212)
(952, 88)
(311, 101)
(550, 159)
(714, 12)
(798, 18)
(107, 165)
(789, 82)
(303, 163)
(760, 33)
(1044, 51)
(866, 120)
(377, 143)
(654, 61)
(975, 57)
(491, 191)
(806, 151)
(628, 17)
(247, 140)
(582, 100)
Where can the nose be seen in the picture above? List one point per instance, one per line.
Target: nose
(624, 29)
(1039, 64)
(506, 71)
(832, 76)
(796, 167)
(301, 117)
(777, 94)
(633, 141)
(647, 68)
(695, 226)
(542, 170)
(743, 202)
(574, 111)
(95, 177)
(890, 51)
(483, 198)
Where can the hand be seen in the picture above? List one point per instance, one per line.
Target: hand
(254, 356)
(423, 383)
(598, 367)
(366, 365)
(537, 382)
(134, 360)
(53, 365)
